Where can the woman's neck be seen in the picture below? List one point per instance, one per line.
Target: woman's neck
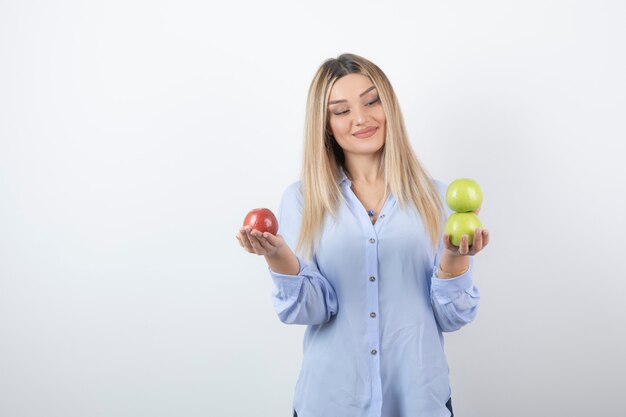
(364, 172)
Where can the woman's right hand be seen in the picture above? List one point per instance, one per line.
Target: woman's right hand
(253, 241)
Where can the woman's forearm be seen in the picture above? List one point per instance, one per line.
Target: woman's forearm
(284, 262)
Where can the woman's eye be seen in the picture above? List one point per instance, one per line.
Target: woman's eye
(368, 104)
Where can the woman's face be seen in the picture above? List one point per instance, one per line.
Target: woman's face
(354, 105)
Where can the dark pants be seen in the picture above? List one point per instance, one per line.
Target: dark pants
(448, 405)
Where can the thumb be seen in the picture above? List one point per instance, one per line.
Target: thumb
(275, 240)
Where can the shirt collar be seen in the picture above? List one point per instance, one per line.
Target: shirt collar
(342, 176)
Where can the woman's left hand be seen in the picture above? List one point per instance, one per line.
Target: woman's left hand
(481, 239)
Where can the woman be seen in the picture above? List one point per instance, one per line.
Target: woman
(372, 275)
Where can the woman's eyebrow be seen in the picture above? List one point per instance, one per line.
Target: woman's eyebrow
(361, 95)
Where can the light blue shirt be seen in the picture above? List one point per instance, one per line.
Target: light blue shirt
(375, 311)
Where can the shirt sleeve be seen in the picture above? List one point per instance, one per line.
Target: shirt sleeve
(308, 297)
(454, 300)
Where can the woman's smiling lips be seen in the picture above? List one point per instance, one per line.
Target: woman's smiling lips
(365, 133)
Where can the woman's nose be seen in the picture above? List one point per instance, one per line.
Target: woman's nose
(359, 117)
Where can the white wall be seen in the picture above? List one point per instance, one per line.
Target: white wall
(135, 136)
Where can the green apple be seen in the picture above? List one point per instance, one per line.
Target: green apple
(459, 224)
(464, 195)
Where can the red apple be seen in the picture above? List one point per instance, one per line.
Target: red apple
(262, 219)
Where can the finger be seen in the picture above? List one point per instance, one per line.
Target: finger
(478, 240)
(269, 248)
(485, 237)
(463, 248)
(246, 240)
(255, 239)
(447, 243)
(271, 240)
(261, 240)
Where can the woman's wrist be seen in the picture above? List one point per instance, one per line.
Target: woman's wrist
(447, 274)
(450, 267)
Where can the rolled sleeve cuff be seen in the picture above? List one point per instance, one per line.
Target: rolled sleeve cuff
(448, 289)
(287, 286)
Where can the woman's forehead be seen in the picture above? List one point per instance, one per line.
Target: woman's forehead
(349, 87)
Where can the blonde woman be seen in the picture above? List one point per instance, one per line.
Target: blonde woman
(360, 257)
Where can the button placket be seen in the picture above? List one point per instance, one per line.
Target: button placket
(371, 253)
(371, 235)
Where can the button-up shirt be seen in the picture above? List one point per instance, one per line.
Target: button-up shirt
(374, 308)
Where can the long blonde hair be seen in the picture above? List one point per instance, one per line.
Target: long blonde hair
(323, 157)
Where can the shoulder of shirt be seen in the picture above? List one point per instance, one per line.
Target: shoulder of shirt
(294, 188)
(442, 189)
(441, 186)
(293, 192)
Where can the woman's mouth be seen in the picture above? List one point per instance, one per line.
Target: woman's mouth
(366, 133)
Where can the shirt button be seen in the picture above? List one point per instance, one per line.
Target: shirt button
(372, 240)
(374, 351)
(372, 314)
(382, 215)
(372, 278)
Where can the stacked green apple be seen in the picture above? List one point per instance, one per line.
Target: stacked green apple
(464, 197)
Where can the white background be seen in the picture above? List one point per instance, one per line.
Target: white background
(136, 135)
